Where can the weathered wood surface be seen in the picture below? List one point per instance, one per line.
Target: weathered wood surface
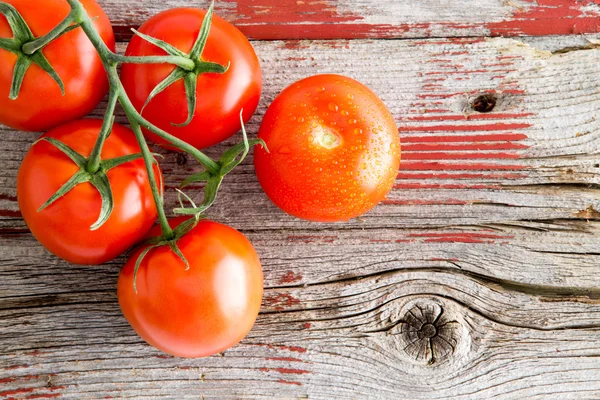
(345, 19)
(479, 276)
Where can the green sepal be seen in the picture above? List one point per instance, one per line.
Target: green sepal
(101, 183)
(228, 161)
(80, 176)
(169, 48)
(190, 81)
(77, 158)
(111, 163)
(190, 78)
(138, 262)
(21, 66)
(173, 77)
(179, 254)
(22, 34)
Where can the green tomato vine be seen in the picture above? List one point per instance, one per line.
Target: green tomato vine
(93, 169)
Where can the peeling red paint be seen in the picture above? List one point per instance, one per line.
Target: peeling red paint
(290, 277)
(16, 366)
(424, 166)
(10, 213)
(16, 391)
(549, 17)
(312, 238)
(456, 156)
(422, 147)
(468, 117)
(291, 371)
(7, 380)
(288, 359)
(502, 137)
(459, 176)
(44, 396)
(459, 237)
(281, 301)
(4, 196)
(307, 325)
(500, 126)
(289, 382)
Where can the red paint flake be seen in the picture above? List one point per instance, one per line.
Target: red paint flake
(7, 380)
(513, 91)
(16, 391)
(7, 197)
(289, 382)
(290, 277)
(468, 117)
(462, 147)
(281, 301)
(44, 396)
(287, 359)
(457, 156)
(380, 241)
(16, 366)
(461, 234)
(425, 166)
(291, 371)
(549, 17)
(306, 325)
(10, 213)
(503, 137)
(35, 353)
(263, 369)
(500, 126)
(294, 349)
(459, 176)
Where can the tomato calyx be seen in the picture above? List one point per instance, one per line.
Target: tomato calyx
(189, 75)
(18, 44)
(98, 179)
(228, 161)
(154, 242)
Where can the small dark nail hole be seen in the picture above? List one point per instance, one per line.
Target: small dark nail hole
(484, 103)
(181, 159)
(596, 165)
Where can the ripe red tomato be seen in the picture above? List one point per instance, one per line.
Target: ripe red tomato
(334, 149)
(40, 105)
(64, 226)
(220, 97)
(199, 311)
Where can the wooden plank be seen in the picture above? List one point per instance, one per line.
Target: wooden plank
(492, 228)
(334, 19)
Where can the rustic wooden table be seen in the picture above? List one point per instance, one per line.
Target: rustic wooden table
(479, 276)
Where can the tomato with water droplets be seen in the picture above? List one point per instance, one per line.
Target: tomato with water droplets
(334, 149)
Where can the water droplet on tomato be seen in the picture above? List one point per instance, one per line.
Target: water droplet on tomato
(358, 131)
(332, 106)
(350, 96)
(300, 119)
(345, 113)
(352, 121)
(284, 150)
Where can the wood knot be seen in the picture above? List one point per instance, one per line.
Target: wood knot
(484, 103)
(428, 332)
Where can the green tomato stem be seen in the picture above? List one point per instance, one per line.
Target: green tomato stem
(167, 232)
(182, 62)
(94, 158)
(31, 47)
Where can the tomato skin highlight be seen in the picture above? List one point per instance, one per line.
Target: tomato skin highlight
(200, 311)
(334, 149)
(220, 97)
(41, 105)
(64, 226)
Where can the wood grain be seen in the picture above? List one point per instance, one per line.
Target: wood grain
(351, 19)
(490, 237)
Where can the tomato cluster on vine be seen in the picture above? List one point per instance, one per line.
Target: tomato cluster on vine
(91, 189)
